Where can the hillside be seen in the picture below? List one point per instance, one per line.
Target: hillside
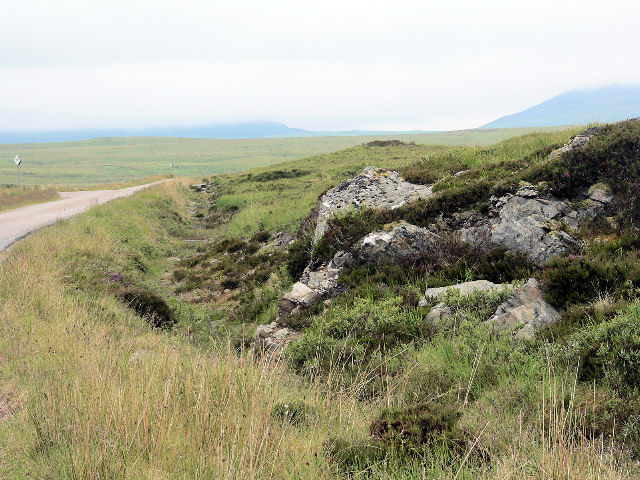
(243, 329)
(109, 160)
(578, 107)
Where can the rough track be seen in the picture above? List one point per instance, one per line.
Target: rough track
(20, 222)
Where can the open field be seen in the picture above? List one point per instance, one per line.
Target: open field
(108, 160)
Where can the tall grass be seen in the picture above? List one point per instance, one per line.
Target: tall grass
(104, 396)
(90, 390)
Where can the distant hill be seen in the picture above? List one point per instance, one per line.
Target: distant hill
(224, 131)
(578, 107)
(246, 130)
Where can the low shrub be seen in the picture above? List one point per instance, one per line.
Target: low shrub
(299, 255)
(148, 305)
(423, 426)
(229, 245)
(580, 279)
(275, 175)
(577, 316)
(343, 232)
(350, 334)
(385, 143)
(610, 352)
(353, 456)
(261, 237)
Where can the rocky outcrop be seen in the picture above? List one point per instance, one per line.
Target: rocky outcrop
(600, 193)
(316, 284)
(538, 227)
(298, 299)
(373, 188)
(272, 338)
(400, 243)
(526, 312)
(441, 312)
(579, 141)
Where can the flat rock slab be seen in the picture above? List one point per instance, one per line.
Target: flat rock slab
(466, 288)
(373, 188)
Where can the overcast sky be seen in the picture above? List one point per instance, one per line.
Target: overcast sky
(324, 65)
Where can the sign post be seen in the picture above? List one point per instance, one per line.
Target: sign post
(18, 161)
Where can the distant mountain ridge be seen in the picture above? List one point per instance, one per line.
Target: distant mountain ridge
(578, 107)
(238, 131)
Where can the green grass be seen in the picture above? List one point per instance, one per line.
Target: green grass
(122, 159)
(91, 390)
(13, 197)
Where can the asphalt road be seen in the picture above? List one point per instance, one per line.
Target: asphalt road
(20, 222)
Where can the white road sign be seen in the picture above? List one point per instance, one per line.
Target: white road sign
(17, 160)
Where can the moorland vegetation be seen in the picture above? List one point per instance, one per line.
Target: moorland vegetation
(132, 358)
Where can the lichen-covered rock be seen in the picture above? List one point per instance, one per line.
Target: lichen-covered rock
(299, 298)
(373, 188)
(526, 310)
(401, 243)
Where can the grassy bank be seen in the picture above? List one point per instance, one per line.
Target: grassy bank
(13, 197)
(91, 390)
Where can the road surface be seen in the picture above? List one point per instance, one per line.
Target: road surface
(20, 222)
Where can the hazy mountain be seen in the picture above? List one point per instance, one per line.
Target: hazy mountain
(578, 107)
(224, 131)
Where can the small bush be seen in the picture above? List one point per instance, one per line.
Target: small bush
(610, 351)
(343, 232)
(148, 305)
(299, 255)
(230, 245)
(261, 237)
(350, 334)
(420, 427)
(351, 457)
(577, 316)
(578, 279)
(230, 283)
(180, 274)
